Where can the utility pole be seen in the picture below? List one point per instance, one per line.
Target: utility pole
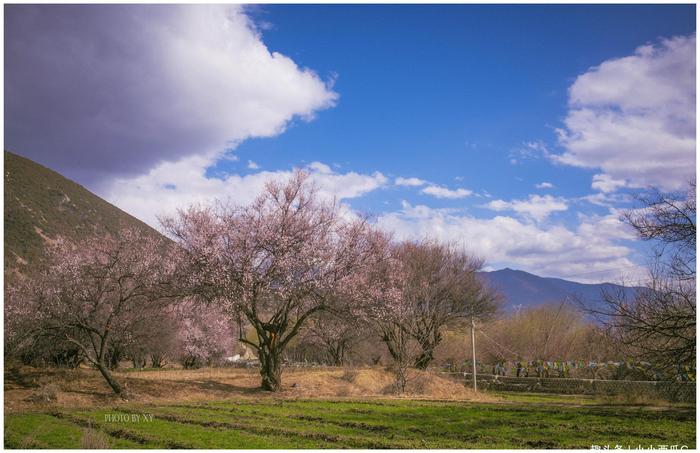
(473, 355)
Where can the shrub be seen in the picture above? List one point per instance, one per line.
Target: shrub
(391, 389)
(349, 376)
(45, 393)
(420, 384)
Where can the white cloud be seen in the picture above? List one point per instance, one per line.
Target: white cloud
(412, 182)
(177, 185)
(348, 185)
(634, 117)
(608, 200)
(222, 86)
(588, 252)
(544, 185)
(165, 82)
(320, 167)
(230, 157)
(606, 183)
(444, 192)
(529, 151)
(535, 207)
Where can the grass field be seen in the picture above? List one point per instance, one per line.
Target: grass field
(317, 408)
(275, 423)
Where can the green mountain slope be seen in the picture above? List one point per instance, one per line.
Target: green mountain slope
(41, 205)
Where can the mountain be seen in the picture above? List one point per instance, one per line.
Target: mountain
(41, 205)
(522, 289)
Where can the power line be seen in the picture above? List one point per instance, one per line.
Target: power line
(498, 344)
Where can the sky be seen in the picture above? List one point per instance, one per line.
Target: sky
(518, 132)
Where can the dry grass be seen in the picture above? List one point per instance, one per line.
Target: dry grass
(93, 440)
(86, 388)
(29, 443)
(46, 393)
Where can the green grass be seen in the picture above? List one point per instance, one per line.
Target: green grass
(362, 424)
(548, 398)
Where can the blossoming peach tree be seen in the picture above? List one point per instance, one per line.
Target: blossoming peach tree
(204, 334)
(91, 291)
(413, 292)
(335, 333)
(274, 264)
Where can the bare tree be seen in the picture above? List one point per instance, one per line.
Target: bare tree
(443, 289)
(659, 323)
(547, 332)
(273, 264)
(669, 221)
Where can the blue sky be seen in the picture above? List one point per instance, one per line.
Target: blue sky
(481, 103)
(450, 93)
(439, 92)
(464, 84)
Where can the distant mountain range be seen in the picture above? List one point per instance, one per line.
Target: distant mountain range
(522, 289)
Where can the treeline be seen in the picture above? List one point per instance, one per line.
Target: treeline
(288, 266)
(296, 277)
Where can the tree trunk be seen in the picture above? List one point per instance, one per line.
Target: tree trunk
(157, 360)
(424, 359)
(110, 379)
(428, 345)
(270, 369)
(337, 354)
(114, 356)
(401, 378)
(139, 361)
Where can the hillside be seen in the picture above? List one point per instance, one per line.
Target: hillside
(523, 289)
(41, 205)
